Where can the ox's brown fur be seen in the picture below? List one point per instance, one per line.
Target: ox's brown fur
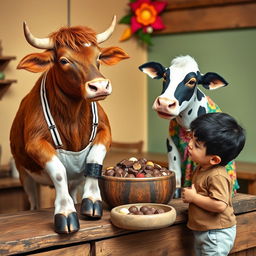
(67, 87)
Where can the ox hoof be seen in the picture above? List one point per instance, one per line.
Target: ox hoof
(66, 225)
(90, 209)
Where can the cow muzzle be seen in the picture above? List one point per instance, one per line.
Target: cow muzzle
(98, 89)
(166, 108)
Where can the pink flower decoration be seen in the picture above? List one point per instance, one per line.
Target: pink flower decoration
(146, 15)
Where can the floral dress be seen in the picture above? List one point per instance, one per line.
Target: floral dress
(181, 138)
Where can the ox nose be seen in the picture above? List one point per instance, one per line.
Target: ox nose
(98, 87)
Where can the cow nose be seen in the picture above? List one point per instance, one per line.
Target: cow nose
(166, 102)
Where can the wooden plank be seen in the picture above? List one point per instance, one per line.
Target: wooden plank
(7, 82)
(244, 203)
(206, 19)
(246, 232)
(10, 182)
(13, 199)
(5, 170)
(246, 170)
(176, 240)
(187, 4)
(77, 250)
(7, 58)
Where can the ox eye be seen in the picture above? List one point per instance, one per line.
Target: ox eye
(191, 83)
(64, 61)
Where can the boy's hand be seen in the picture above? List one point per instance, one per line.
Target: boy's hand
(188, 194)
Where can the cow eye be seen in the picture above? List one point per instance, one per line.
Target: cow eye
(191, 83)
(64, 61)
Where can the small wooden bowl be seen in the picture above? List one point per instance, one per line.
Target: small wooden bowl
(117, 191)
(143, 222)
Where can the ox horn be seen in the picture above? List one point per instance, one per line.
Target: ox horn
(106, 34)
(41, 43)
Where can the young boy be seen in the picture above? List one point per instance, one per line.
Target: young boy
(216, 140)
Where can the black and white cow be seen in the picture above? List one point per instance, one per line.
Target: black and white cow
(181, 99)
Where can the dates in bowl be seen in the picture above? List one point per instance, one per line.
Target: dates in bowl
(143, 216)
(136, 168)
(136, 181)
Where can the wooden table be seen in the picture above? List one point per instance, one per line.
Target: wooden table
(32, 231)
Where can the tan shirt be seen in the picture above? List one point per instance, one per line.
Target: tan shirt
(214, 183)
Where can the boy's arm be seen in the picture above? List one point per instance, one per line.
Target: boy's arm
(189, 195)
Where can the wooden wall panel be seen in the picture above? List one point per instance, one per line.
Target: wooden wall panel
(185, 4)
(192, 16)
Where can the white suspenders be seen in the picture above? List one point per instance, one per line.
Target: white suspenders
(51, 124)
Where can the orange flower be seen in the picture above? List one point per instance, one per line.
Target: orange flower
(146, 14)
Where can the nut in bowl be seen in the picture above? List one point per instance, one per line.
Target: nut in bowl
(151, 216)
(137, 181)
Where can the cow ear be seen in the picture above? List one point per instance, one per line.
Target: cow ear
(212, 81)
(153, 69)
(37, 62)
(112, 55)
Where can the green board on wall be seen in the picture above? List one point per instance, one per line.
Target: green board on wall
(232, 54)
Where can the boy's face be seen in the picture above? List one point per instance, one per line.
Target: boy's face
(197, 152)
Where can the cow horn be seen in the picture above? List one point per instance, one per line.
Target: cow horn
(41, 43)
(106, 34)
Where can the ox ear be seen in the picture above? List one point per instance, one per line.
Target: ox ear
(153, 69)
(212, 81)
(37, 62)
(112, 55)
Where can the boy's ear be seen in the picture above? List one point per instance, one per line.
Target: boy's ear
(214, 160)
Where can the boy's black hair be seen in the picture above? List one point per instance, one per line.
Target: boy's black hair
(221, 135)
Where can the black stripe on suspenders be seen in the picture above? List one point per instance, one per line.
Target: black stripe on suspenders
(51, 124)
(95, 121)
(47, 114)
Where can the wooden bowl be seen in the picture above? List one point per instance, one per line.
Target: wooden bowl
(143, 222)
(117, 191)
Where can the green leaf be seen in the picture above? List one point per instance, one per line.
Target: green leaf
(126, 19)
(145, 37)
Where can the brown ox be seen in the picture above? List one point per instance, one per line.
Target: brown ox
(60, 134)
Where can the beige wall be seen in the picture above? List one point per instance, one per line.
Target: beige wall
(126, 107)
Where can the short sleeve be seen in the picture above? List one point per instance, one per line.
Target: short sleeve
(218, 188)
